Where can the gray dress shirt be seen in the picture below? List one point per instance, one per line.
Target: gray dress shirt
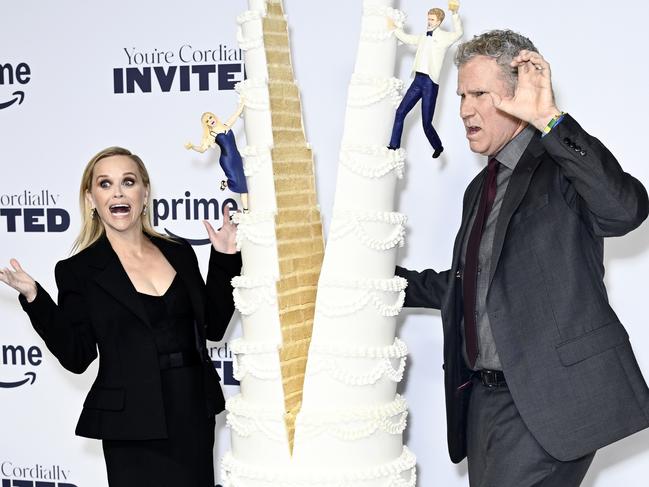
(508, 157)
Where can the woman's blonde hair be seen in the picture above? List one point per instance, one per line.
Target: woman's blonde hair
(206, 138)
(91, 226)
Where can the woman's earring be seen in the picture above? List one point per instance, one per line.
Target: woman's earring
(144, 211)
(93, 213)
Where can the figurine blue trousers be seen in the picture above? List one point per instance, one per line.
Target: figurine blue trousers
(425, 89)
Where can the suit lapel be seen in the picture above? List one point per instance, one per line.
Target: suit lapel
(112, 277)
(516, 190)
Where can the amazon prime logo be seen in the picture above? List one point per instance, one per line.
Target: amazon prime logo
(13, 361)
(168, 211)
(11, 75)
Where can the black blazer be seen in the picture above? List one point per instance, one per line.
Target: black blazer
(99, 310)
(565, 355)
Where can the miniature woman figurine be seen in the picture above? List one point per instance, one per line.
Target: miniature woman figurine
(219, 133)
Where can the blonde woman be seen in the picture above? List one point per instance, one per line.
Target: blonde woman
(219, 133)
(139, 300)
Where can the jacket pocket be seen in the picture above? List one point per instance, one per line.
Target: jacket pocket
(592, 343)
(105, 399)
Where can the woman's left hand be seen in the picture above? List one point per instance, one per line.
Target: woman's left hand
(225, 239)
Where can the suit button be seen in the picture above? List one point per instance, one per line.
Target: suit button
(577, 148)
(567, 141)
(583, 153)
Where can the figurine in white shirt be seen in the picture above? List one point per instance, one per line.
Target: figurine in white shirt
(431, 49)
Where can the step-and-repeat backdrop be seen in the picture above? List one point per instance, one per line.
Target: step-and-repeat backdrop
(78, 76)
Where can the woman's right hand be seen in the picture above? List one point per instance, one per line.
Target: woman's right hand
(19, 280)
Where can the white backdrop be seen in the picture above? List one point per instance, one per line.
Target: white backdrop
(63, 55)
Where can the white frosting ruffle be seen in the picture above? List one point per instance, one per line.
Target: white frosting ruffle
(254, 158)
(235, 474)
(251, 92)
(354, 423)
(366, 291)
(248, 16)
(350, 424)
(397, 350)
(246, 418)
(375, 35)
(265, 292)
(334, 360)
(258, 359)
(345, 222)
(391, 160)
(398, 16)
(251, 228)
(367, 90)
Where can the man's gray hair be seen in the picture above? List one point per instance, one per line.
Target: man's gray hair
(502, 45)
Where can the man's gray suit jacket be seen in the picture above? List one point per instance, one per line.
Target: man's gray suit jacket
(565, 355)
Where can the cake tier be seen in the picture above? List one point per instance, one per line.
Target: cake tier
(349, 375)
(363, 243)
(257, 243)
(256, 299)
(371, 103)
(361, 310)
(337, 435)
(251, 41)
(399, 472)
(255, 96)
(256, 367)
(376, 47)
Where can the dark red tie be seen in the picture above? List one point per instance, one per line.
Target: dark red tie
(470, 275)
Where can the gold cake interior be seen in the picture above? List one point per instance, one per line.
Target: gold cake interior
(298, 225)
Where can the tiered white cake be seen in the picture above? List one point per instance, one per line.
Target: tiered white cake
(349, 429)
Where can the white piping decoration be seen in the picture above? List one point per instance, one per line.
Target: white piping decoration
(375, 35)
(345, 222)
(249, 43)
(265, 293)
(390, 160)
(339, 368)
(254, 101)
(398, 16)
(254, 158)
(248, 16)
(370, 290)
(246, 419)
(356, 423)
(397, 350)
(251, 228)
(237, 474)
(258, 359)
(378, 89)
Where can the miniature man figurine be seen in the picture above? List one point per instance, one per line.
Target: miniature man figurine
(431, 49)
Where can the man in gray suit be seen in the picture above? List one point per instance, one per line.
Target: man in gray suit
(539, 372)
